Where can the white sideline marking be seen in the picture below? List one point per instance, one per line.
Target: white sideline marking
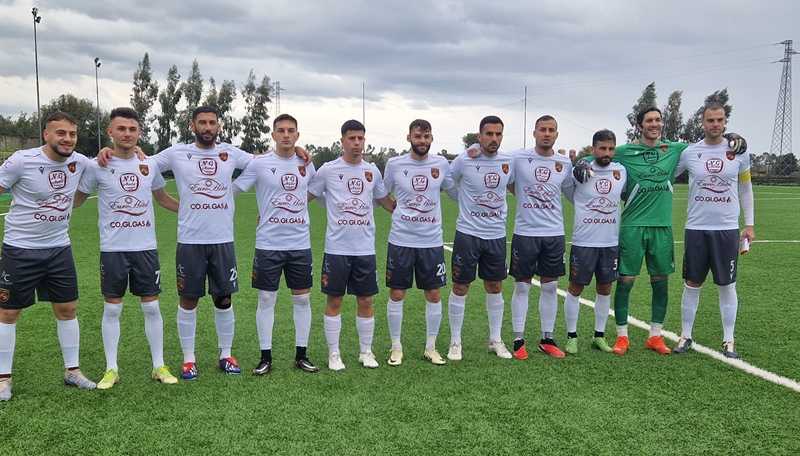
(737, 363)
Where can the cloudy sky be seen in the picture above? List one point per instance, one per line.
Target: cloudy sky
(450, 62)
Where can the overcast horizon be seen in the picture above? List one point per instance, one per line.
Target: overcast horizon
(448, 62)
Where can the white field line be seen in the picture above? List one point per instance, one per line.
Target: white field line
(737, 363)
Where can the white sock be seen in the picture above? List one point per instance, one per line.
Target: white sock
(494, 309)
(433, 320)
(110, 330)
(622, 331)
(187, 322)
(8, 340)
(69, 337)
(689, 303)
(333, 327)
(301, 305)
(548, 308)
(154, 331)
(394, 314)
(519, 308)
(602, 305)
(225, 321)
(655, 329)
(365, 326)
(455, 313)
(728, 305)
(265, 317)
(572, 308)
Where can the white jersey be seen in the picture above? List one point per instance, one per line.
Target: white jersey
(282, 195)
(42, 192)
(417, 186)
(349, 193)
(713, 185)
(597, 206)
(203, 178)
(481, 182)
(125, 202)
(539, 182)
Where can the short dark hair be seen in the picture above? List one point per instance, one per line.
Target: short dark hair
(203, 109)
(713, 106)
(352, 125)
(603, 135)
(544, 118)
(284, 117)
(489, 120)
(125, 113)
(59, 116)
(422, 124)
(643, 112)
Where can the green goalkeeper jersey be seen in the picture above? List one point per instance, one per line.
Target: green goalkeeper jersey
(648, 190)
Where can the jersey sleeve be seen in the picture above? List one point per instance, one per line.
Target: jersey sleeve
(317, 185)
(448, 182)
(388, 177)
(11, 170)
(162, 160)
(378, 190)
(744, 164)
(311, 170)
(683, 164)
(568, 184)
(88, 182)
(246, 180)
(242, 158)
(158, 180)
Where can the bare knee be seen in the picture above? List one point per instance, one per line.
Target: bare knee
(396, 294)
(603, 289)
(9, 316)
(65, 310)
(433, 295)
(694, 284)
(188, 303)
(365, 307)
(575, 289)
(333, 306)
(222, 302)
(460, 289)
(492, 286)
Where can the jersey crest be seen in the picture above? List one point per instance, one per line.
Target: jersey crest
(435, 173)
(368, 175)
(144, 170)
(71, 167)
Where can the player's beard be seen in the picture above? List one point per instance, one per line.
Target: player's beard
(603, 161)
(200, 138)
(420, 152)
(55, 148)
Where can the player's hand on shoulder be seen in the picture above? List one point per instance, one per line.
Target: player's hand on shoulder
(104, 156)
(582, 170)
(473, 151)
(736, 143)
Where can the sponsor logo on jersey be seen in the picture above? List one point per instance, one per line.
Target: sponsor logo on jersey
(617, 175)
(716, 184)
(223, 156)
(603, 186)
(210, 188)
(355, 185)
(714, 165)
(288, 202)
(540, 192)
(504, 167)
(58, 179)
(302, 170)
(435, 173)
(354, 206)
(559, 167)
(602, 205)
(489, 200)
(491, 180)
(368, 175)
(650, 155)
(289, 182)
(129, 182)
(129, 204)
(208, 166)
(144, 170)
(72, 166)
(419, 183)
(542, 173)
(420, 203)
(58, 202)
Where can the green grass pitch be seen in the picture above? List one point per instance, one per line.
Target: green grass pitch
(592, 403)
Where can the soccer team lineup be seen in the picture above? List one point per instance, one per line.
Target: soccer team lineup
(622, 195)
